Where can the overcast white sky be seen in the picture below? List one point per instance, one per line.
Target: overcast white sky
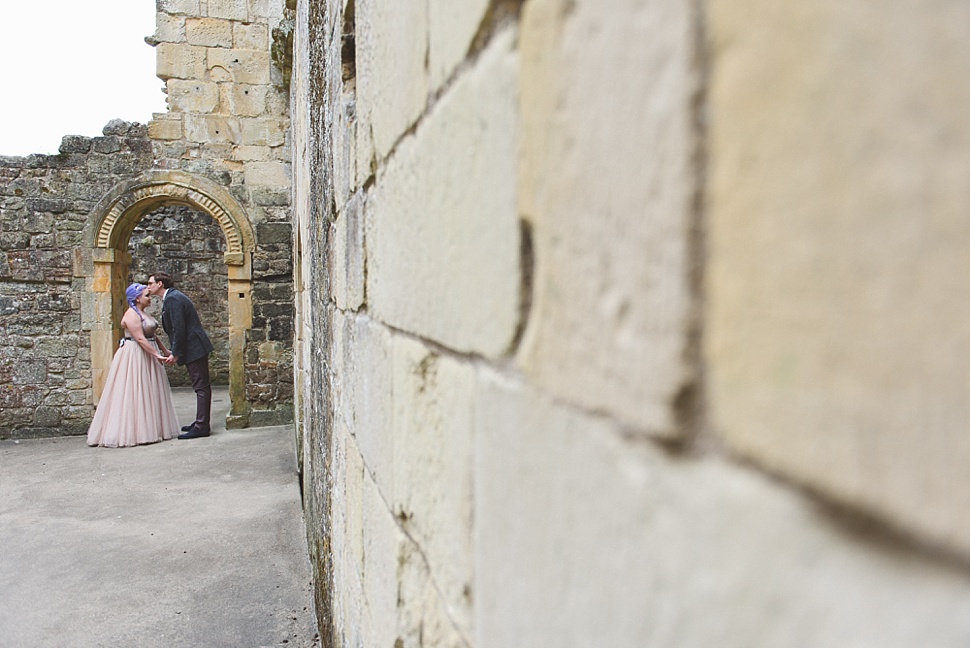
(68, 67)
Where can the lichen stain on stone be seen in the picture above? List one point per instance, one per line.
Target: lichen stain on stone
(427, 372)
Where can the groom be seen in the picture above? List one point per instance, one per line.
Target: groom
(190, 346)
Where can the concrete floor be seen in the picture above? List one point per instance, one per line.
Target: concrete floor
(193, 543)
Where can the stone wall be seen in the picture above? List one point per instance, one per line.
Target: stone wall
(633, 323)
(45, 361)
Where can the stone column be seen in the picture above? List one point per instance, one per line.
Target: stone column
(240, 320)
(108, 286)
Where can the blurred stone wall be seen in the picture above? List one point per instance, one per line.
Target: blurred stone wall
(634, 322)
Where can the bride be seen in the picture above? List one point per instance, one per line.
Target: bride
(136, 406)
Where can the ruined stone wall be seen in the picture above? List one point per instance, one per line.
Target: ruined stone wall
(628, 323)
(45, 360)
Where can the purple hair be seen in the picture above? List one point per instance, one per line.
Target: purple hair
(132, 293)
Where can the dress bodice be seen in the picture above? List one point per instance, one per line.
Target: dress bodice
(149, 326)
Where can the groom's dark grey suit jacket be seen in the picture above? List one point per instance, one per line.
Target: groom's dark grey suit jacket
(187, 338)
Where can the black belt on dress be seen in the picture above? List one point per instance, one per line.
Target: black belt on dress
(121, 342)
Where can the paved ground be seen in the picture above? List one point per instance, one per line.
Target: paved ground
(195, 543)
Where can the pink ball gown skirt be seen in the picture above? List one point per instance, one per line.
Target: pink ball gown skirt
(136, 406)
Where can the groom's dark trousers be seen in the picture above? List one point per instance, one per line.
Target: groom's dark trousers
(199, 374)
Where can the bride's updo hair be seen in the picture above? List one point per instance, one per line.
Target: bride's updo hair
(132, 293)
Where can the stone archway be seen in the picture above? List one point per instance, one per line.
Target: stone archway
(105, 266)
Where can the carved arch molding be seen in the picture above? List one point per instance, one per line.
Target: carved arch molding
(105, 264)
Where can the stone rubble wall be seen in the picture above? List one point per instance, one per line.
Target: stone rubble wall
(45, 357)
(633, 323)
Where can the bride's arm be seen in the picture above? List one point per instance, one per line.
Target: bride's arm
(161, 346)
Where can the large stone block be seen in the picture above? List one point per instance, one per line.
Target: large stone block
(106, 145)
(362, 357)
(354, 515)
(179, 61)
(267, 174)
(208, 32)
(608, 183)
(261, 132)
(344, 149)
(585, 537)
(246, 100)
(266, 8)
(192, 96)
(169, 29)
(347, 538)
(277, 103)
(250, 36)
(30, 372)
(838, 324)
(434, 399)
(452, 26)
(346, 256)
(337, 522)
(39, 222)
(212, 129)
(230, 9)
(442, 234)
(187, 7)
(269, 233)
(11, 408)
(57, 347)
(383, 547)
(252, 153)
(423, 618)
(14, 240)
(165, 126)
(392, 84)
(52, 205)
(242, 66)
(47, 417)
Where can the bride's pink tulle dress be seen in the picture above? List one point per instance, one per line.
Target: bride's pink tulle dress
(136, 405)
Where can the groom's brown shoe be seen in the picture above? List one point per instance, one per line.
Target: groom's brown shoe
(194, 433)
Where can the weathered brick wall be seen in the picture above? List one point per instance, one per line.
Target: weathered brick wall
(634, 323)
(45, 361)
(189, 245)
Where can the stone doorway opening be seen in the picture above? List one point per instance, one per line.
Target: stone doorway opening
(189, 245)
(107, 266)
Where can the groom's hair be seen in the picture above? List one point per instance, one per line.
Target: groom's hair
(165, 278)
